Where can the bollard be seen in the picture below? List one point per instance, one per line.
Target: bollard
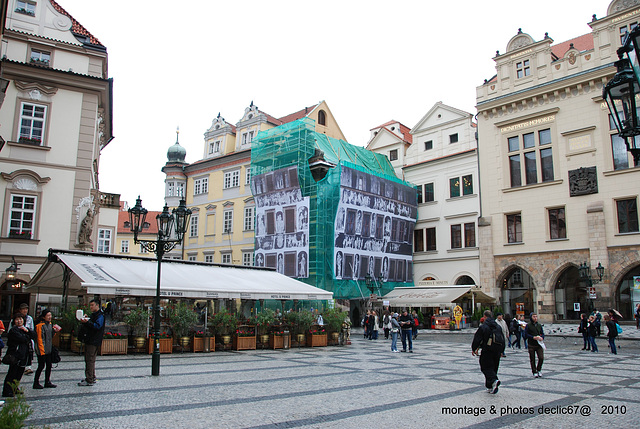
(207, 344)
(285, 340)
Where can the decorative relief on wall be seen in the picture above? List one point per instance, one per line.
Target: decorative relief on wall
(583, 181)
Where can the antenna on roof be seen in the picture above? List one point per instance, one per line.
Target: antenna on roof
(177, 132)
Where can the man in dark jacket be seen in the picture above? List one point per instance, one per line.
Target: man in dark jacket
(406, 323)
(490, 356)
(93, 328)
(535, 337)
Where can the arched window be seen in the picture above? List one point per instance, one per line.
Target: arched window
(322, 118)
(465, 280)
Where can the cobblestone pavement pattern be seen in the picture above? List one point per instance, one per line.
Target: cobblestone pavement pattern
(362, 385)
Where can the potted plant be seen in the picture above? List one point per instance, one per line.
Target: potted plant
(304, 321)
(165, 341)
(182, 318)
(265, 319)
(113, 343)
(223, 324)
(317, 336)
(138, 320)
(452, 325)
(245, 338)
(333, 319)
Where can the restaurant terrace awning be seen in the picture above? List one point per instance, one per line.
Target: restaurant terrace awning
(94, 274)
(434, 296)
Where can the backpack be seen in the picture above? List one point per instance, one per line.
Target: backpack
(495, 342)
(386, 319)
(619, 329)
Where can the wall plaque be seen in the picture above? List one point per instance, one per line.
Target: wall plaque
(583, 181)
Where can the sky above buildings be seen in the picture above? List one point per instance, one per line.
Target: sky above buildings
(179, 64)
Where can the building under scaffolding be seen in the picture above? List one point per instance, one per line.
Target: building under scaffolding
(331, 214)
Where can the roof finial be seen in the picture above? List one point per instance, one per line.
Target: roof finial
(519, 30)
(546, 35)
(251, 105)
(218, 114)
(177, 133)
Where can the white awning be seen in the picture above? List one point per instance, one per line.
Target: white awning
(432, 296)
(114, 275)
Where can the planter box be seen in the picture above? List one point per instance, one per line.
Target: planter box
(113, 346)
(244, 343)
(166, 345)
(277, 341)
(198, 344)
(317, 340)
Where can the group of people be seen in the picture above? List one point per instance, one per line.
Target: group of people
(590, 328)
(24, 338)
(371, 322)
(490, 341)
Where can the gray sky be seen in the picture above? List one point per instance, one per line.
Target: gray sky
(180, 63)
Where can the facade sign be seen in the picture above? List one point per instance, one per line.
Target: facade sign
(527, 124)
(374, 227)
(282, 222)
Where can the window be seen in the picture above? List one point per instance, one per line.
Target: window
(522, 69)
(175, 189)
(193, 226)
(627, 215)
(247, 176)
(428, 145)
(248, 218)
(192, 258)
(419, 194)
(32, 118)
(214, 147)
(226, 258)
(465, 181)
(453, 138)
(171, 189)
(536, 158)
(22, 217)
(247, 137)
(247, 259)
(201, 186)
(124, 246)
(557, 225)
(104, 241)
(208, 259)
(428, 193)
(322, 118)
(456, 236)
(626, 29)
(143, 249)
(227, 223)
(26, 7)
(418, 240)
(231, 179)
(619, 148)
(470, 234)
(393, 155)
(431, 239)
(514, 228)
(41, 58)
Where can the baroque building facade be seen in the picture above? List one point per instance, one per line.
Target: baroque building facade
(55, 121)
(558, 186)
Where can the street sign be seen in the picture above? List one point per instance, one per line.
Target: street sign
(592, 293)
(373, 297)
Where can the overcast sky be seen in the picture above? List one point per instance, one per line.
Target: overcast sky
(179, 64)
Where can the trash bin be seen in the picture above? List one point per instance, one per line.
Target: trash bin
(207, 344)
(285, 340)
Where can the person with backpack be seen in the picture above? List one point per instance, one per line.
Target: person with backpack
(515, 330)
(612, 326)
(490, 338)
(535, 338)
(386, 324)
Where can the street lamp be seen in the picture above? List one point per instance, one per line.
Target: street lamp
(621, 91)
(12, 270)
(167, 239)
(584, 272)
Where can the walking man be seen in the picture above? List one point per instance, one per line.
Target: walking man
(535, 336)
(93, 329)
(406, 323)
(490, 338)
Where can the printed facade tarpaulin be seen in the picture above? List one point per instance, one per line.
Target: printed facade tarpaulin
(109, 275)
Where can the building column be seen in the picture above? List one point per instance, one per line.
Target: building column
(598, 252)
(487, 263)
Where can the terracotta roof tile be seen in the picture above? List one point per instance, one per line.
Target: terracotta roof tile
(123, 216)
(76, 27)
(297, 115)
(271, 119)
(581, 43)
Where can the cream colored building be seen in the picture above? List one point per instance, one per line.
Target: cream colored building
(391, 139)
(558, 187)
(54, 122)
(217, 187)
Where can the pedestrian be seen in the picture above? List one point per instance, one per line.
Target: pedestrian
(612, 316)
(612, 334)
(637, 316)
(582, 329)
(503, 325)
(28, 322)
(365, 324)
(490, 338)
(373, 323)
(1, 332)
(523, 326)
(535, 336)
(406, 324)
(19, 345)
(395, 330)
(598, 321)
(592, 332)
(515, 329)
(93, 330)
(386, 324)
(414, 327)
(44, 346)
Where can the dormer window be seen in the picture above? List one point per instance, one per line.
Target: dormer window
(322, 118)
(247, 137)
(40, 58)
(523, 69)
(26, 7)
(214, 147)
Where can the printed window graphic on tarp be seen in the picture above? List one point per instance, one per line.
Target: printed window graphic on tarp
(374, 228)
(282, 222)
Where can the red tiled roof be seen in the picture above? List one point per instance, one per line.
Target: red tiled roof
(404, 130)
(297, 115)
(76, 27)
(581, 43)
(271, 119)
(123, 216)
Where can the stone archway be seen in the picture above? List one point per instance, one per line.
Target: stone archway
(626, 296)
(517, 291)
(570, 294)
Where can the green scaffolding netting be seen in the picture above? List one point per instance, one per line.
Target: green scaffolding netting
(293, 144)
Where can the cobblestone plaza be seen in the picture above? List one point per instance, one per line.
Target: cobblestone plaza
(362, 385)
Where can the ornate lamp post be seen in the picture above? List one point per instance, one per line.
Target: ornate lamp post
(584, 272)
(168, 238)
(621, 91)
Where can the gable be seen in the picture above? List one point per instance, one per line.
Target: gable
(439, 115)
